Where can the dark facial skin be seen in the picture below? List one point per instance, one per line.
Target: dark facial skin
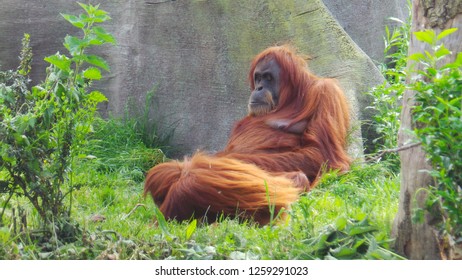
(265, 96)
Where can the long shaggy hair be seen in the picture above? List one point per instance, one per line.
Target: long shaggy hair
(261, 167)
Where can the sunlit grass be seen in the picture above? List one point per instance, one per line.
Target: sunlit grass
(345, 216)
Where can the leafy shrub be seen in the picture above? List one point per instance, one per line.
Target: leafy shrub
(387, 97)
(438, 124)
(42, 130)
(350, 239)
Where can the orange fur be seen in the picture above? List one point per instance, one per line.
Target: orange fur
(259, 157)
(208, 186)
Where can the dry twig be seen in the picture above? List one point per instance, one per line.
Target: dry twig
(394, 150)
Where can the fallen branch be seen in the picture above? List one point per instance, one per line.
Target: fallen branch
(394, 150)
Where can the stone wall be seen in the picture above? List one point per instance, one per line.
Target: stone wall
(196, 54)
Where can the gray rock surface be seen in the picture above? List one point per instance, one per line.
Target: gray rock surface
(196, 53)
(365, 21)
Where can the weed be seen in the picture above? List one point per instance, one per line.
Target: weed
(437, 116)
(387, 98)
(42, 130)
(117, 146)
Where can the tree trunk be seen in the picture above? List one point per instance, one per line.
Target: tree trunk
(421, 240)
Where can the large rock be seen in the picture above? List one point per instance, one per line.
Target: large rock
(196, 54)
(365, 21)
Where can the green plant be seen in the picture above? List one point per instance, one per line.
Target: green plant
(145, 126)
(117, 146)
(437, 118)
(387, 97)
(349, 239)
(42, 130)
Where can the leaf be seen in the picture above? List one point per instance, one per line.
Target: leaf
(87, 8)
(101, 18)
(361, 229)
(417, 57)
(455, 101)
(75, 21)
(359, 243)
(84, 18)
(60, 61)
(74, 45)
(191, 229)
(92, 73)
(341, 223)
(431, 72)
(429, 55)
(442, 52)
(97, 96)
(459, 59)
(380, 255)
(161, 221)
(75, 94)
(95, 60)
(427, 36)
(360, 216)
(99, 13)
(342, 252)
(103, 35)
(445, 33)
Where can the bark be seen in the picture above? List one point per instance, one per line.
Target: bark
(422, 240)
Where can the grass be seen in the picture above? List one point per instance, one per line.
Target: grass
(347, 216)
